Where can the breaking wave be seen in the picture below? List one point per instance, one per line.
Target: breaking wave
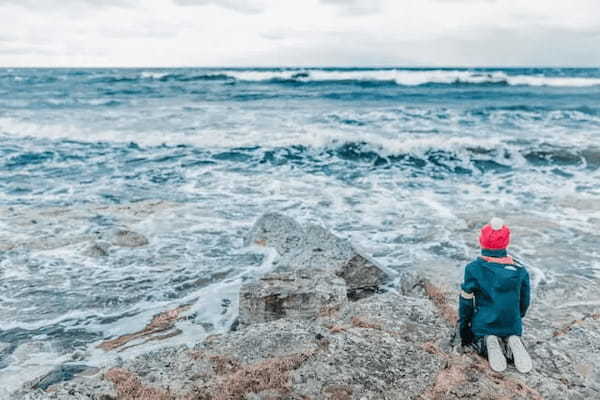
(407, 161)
(375, 77)
(402, 77)
(453, 158)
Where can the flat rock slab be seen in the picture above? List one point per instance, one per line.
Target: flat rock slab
(301, 294)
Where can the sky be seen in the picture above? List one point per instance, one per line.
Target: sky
(210, 33)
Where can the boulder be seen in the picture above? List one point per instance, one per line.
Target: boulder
(276, 230)
(300, 294)
(125, 238)
(323, 250)
(314, 247)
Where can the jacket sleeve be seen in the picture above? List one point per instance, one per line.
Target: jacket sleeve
(466, 306)
(525, 294)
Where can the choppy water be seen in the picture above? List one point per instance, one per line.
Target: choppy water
(407, 163)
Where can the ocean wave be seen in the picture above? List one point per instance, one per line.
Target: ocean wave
(65, 103)
(367, 77)
(453, 158)
(411, 77)
(29, 79)
(455, 155)
(314, 76)
(180, 77)
(112, 79)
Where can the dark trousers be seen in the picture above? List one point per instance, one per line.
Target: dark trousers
(479, 346)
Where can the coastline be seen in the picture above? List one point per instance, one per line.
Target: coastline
(388, 345)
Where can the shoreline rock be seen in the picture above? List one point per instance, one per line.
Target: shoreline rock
(125, 238)
(301, 294)
(301, 338)
(314, 247)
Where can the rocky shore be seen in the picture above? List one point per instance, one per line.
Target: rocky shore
(330, 323)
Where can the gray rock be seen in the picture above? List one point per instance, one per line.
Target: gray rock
(97, 249)
(62, 373)
(276, 230)
(411, 317)
(324, 250)
(411, 284)
(300, 294)
(125, 238)
(386, 346)
(301, 338)
(97, 390)
(80, 388)
(566, 366)
(374, 354)
(315, 247)
(366, 362)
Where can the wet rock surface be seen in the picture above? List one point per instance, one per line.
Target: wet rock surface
(300, 338)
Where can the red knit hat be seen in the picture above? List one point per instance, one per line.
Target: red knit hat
(495, 235)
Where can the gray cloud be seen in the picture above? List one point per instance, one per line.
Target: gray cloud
(478, 46)
(321, 32)
(355, 7)
(532, 46)
(242, 6)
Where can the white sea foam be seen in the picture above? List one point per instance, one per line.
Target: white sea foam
(403, 221)
(384, 144)
(153, 75)
(414, 77)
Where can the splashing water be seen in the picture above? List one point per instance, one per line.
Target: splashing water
(407, 163)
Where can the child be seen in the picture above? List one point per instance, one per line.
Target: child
(494, 298)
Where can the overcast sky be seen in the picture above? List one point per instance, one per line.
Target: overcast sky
(299, 32)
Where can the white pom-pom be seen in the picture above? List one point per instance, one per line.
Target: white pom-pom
(496, 223)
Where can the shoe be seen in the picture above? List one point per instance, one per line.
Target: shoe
(521, 358)
(495, 354)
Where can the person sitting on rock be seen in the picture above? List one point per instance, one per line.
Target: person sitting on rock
(494, 298)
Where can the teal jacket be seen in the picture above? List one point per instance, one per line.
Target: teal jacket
(494, 298)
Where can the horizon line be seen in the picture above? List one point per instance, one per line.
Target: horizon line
(311, 67)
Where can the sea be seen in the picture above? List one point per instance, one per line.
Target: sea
(407, 163)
